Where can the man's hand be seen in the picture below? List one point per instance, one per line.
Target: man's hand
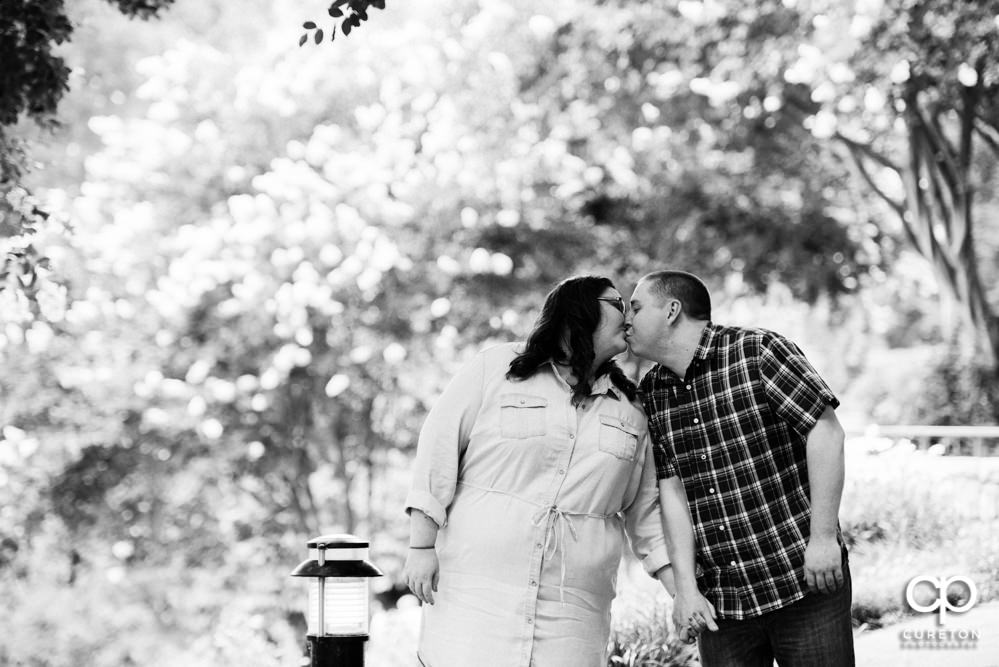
(823, 565)
(422, 572)
(692, 614)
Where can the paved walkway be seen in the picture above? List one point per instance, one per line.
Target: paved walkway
(897, 645)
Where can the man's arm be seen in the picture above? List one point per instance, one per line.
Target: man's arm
(824, 455)
(690, 608)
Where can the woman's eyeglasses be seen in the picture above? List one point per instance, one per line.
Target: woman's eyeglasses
(616, 301)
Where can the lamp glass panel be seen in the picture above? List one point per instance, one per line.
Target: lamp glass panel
(345, 609)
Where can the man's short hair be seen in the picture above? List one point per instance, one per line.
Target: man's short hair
(685, 288)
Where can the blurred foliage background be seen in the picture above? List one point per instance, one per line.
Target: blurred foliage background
(238, 272)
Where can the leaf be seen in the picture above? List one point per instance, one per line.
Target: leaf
(304, 39)
(336, 13)
(319, 36)
(346, 27)
(309, 25)
(378, 4)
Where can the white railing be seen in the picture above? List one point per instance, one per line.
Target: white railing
(972, 440)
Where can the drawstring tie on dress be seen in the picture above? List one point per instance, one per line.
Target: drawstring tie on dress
(547, 516)
(556, 520)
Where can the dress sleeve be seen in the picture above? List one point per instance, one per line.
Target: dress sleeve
(443, 440)
(794, 389)
(642, 519)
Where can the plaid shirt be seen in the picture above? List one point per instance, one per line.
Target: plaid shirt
(734, 430)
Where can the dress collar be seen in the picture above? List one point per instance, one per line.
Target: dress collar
(599, 386)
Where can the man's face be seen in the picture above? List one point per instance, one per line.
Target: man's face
(648, 324)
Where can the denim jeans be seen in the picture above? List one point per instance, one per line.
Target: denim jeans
(815, 631)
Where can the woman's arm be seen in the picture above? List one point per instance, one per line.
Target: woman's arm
(422, 570)
(642, 521)
(443, 440)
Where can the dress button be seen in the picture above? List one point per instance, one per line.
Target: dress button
(561, 471)
(732, 563)
(688, 386)
(538, 545)
(522, 401)
(704, 456)
(572, 436)
(530, 620)
(696, 420)
(721, 527)
(534, 583)
(711, 490)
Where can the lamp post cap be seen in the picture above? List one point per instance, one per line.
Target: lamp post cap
(337, 541)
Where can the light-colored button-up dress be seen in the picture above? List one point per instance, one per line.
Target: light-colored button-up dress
(533, 496)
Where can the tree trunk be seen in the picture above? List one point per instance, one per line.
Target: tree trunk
(937, 211)
(940, 214)
(331, 418)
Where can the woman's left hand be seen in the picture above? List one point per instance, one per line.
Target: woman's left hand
(422, 572)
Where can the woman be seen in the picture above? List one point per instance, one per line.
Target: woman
(527, 468)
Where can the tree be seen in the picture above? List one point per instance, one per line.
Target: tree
(351, 12)
(745, 198)
(905, 90)
(33, 80)
(929, 78)
(281, 255)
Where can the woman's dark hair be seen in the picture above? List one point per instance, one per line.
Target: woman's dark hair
(570, 314)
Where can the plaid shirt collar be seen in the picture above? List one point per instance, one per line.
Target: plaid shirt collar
(707, 347)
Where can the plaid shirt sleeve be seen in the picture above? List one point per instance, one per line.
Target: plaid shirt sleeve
(794, 389)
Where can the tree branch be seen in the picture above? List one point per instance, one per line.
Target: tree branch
(857, 154)
(922, 222)
(867, 151)
(941, 151)
(970, 96)
(989, 134)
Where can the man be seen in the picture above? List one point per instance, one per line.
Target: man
(742, 418)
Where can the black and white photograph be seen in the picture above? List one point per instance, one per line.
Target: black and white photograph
(498, 333)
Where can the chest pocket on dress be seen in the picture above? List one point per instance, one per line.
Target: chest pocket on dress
(618, 437)
(522, 415)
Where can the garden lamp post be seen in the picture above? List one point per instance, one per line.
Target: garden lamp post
(338, 572)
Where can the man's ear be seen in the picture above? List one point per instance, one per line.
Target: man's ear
(673, 310)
